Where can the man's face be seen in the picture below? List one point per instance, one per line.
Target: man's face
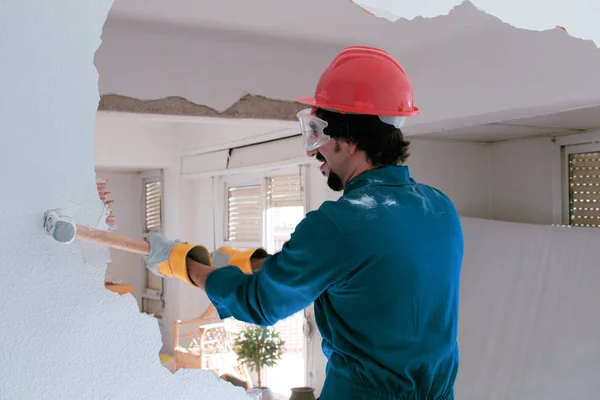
(334, 157)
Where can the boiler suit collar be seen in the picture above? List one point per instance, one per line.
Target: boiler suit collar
(392, 175)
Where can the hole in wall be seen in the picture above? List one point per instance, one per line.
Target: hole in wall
(134, 199)
(121, 191)
(123, 182)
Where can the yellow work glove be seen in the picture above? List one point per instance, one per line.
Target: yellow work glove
(226, 256)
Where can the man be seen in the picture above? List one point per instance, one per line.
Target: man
(382, 264)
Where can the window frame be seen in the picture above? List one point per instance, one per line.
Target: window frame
(567, 151)
(221, 184)
(585, 142)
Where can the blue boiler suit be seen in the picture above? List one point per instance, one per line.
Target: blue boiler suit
(382, 265)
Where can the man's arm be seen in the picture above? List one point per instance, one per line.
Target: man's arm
(313, 259)
(198, 272)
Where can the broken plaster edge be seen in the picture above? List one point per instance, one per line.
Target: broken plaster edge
(249, 106)
(379, 10)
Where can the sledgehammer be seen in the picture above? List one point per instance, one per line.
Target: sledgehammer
(62, 228)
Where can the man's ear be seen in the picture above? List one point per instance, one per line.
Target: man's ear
(350, 147)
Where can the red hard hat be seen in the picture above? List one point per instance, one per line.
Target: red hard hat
(364, 80)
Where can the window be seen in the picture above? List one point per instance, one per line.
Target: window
(244, 214)
(152, 297)
(264, 211)
(584, 189)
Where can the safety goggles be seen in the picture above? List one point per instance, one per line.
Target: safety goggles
(312, 128)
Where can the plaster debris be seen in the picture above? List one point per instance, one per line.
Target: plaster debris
(365, 201)
(390, 202)
(249, 106)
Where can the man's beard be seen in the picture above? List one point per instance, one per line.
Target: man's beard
(333, 180)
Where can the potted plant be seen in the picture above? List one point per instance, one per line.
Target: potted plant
(259, 347)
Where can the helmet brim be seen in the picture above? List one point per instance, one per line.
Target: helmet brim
(311, 101)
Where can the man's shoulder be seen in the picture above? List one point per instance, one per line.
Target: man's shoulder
(402, 199)
(347, 209)
(331, 208)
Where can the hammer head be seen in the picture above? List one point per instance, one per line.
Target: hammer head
(59, 225)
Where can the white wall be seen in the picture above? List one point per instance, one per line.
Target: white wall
(128, 141)
(529, 326)
(208, 134)
(126, 189)
(460, 169)
(64, 336)
(198, 227)
(523, 180)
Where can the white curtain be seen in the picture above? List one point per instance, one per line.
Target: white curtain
(530, 312)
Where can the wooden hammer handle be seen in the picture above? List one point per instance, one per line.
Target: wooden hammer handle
(113, 240)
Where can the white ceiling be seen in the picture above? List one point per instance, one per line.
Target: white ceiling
(566, 122)
(197, 135)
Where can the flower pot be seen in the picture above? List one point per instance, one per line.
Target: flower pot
(303, 393)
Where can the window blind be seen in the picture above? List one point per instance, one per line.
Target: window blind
(153, 205)
(584, 189)
(244, 214)
(285, 191)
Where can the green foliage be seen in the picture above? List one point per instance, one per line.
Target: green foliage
(258, 347)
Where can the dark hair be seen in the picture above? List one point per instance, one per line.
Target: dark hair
(260, 253)
(382, 143)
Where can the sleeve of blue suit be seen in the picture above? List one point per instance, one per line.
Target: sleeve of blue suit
(314, 258)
